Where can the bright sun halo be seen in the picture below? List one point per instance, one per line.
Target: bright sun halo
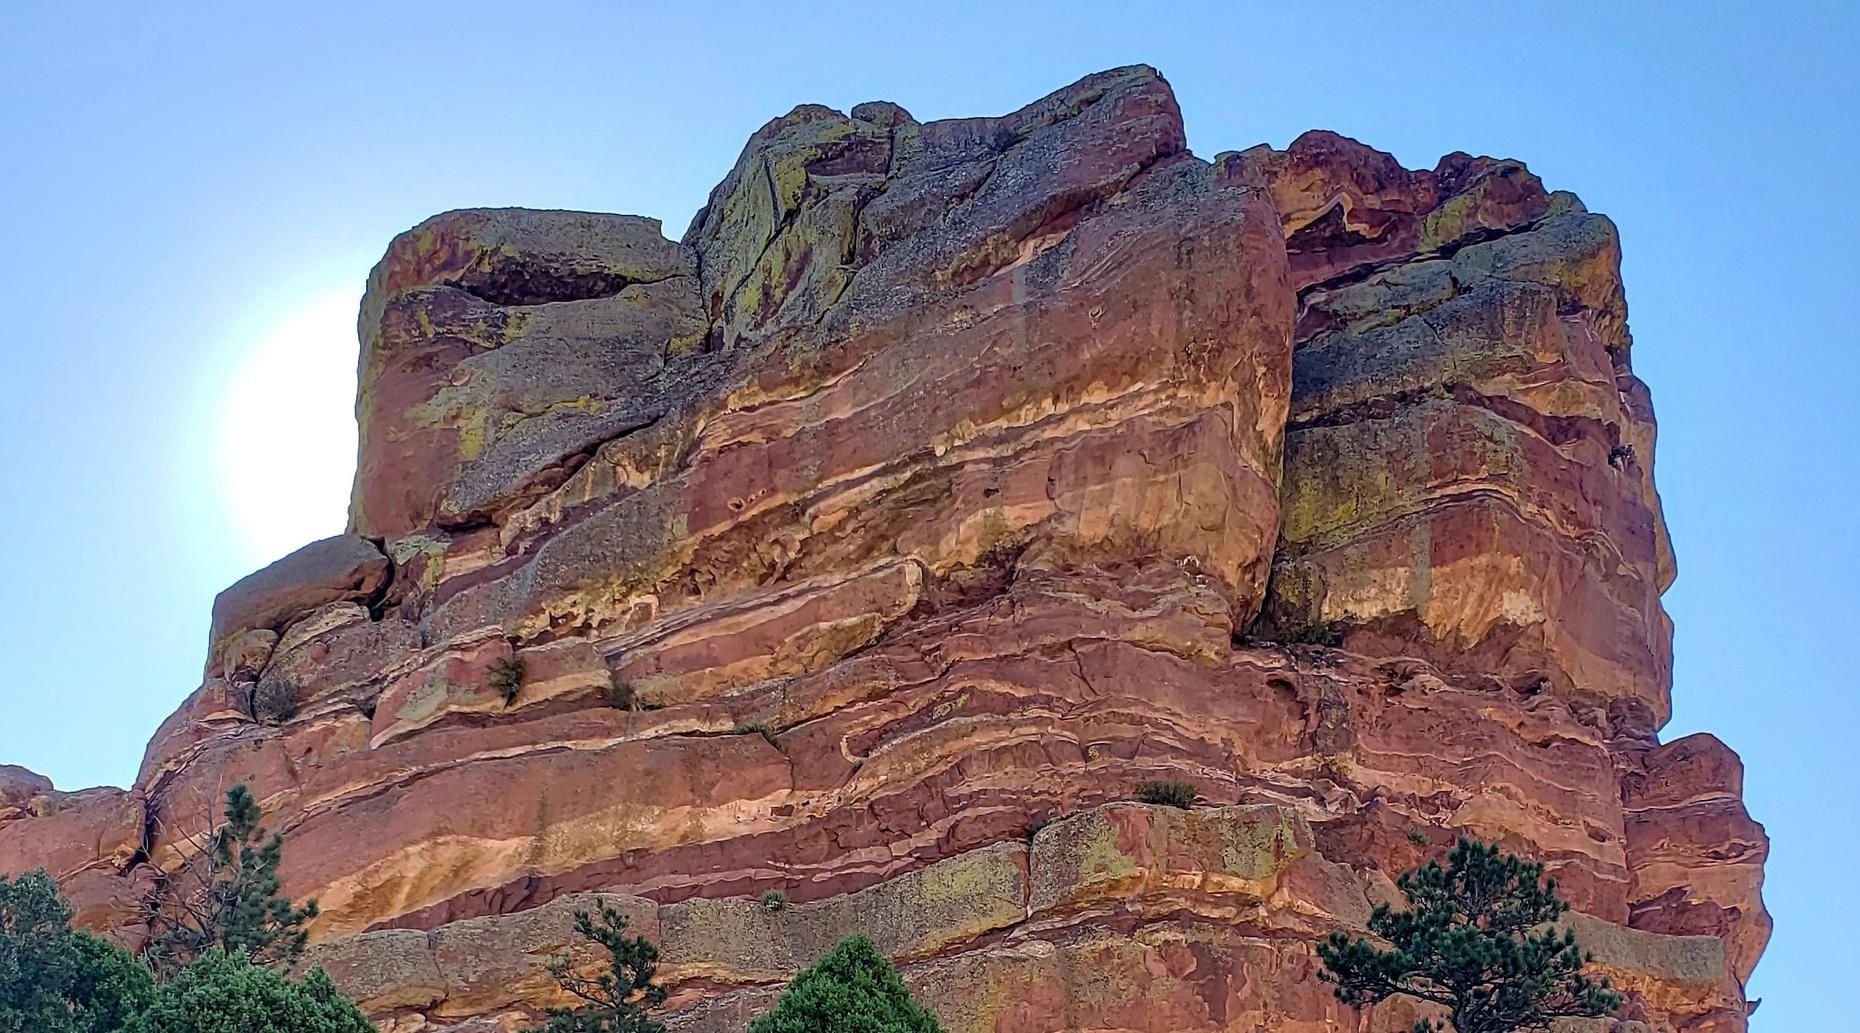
(288, 437)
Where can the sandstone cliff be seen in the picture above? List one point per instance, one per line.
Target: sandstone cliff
(992, 465)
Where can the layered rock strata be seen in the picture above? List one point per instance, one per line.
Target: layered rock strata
(872, 542)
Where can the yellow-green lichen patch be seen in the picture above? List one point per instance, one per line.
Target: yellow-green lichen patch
(1260, 844)
(916, 914)
(1446, 223)
(1119, 849)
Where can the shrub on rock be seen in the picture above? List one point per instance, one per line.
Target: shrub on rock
(850, 989)
(54, 979)
(1172, 793)
(226, 993)
(1476, 940)
(507, 677)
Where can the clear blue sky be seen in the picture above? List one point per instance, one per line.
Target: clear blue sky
(188, 197)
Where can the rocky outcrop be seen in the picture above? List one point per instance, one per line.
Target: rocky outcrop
(872, 542)
(1469, 458)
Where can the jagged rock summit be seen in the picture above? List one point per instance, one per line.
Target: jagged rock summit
(989, 466)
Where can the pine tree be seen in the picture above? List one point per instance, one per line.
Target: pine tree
(54, 979)
(850, 989)
(616, 1001)
(36, 962)
(225, 993)
(229, 897)
(109, 987)
(1476, 940)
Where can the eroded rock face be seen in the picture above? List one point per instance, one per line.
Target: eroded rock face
(870, 544)
(1469, 458)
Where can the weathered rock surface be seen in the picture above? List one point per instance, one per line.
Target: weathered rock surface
(1468, 469)
(248, 616)
(990, 466)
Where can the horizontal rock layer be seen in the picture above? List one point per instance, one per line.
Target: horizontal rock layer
(1211, 913)
(870, 544)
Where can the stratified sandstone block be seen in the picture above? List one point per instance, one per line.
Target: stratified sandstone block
(19, 789)
(871, 544)
(87, 840)
(1468, 458)
(501, 346)
(1116, 852)
(1697, 855)
(343, 568)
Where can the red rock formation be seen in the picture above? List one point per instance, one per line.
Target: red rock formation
(953, 455)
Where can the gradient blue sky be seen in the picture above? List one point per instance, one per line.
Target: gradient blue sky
(192, 200)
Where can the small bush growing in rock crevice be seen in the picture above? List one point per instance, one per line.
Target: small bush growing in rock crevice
(1267, 631)
(775, 900)
(1313, 633)
(274, 701)
(1170, 792)
(506, 677)
(620, 695)
(757, 728)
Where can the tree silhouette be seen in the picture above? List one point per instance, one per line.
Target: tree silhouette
(850, 989)
(615, 1001)
(1476, 940)
(228, 897)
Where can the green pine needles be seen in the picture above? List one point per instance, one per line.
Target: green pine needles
(850, 989)
(1476, 940)
(54, 979)
(224, 938)
(228, 898)
(226, 993)
(616, 1000)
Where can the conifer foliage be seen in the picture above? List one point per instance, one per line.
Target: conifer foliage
(226, 993)
(850, 989)
(229, 897)
(616, 1000)
(213, 967)
(1475, 939)
(54, 979)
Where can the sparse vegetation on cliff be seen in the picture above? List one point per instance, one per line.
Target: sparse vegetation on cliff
(1169, 792)
(1475, 940)
(1268, 630)
(618, 999)
(227, 897)
(620, 694)
(850, 989)
(758, 728)
(506, 677)
(274, 701)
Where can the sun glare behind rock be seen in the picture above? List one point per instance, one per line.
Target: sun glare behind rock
(288, 438)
